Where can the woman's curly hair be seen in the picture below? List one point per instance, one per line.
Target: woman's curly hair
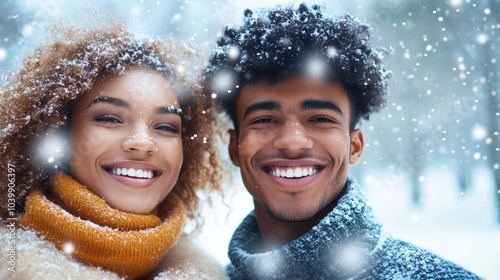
(38, 99)
(275, 44)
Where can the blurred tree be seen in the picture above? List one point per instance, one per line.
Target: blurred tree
(478, 44)
(436, 103)
(491, 52)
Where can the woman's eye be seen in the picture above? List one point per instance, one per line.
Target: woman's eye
(167, 128)
(108, 119)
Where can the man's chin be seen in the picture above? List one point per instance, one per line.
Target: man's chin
(296, 216)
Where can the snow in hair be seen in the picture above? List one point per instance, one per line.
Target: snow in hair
(37, 102)
(274, 44)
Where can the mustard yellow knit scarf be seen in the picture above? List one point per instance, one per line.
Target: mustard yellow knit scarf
(80, 223)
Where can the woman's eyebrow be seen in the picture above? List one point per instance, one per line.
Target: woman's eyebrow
(170, 109)
(109, 100)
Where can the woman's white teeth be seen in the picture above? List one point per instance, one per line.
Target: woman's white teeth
(294, 172)
(131, 172)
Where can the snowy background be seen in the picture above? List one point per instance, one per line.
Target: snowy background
(431, 156)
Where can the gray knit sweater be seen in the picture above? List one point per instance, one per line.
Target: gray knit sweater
(347, 244)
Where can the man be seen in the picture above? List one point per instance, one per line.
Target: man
(295, 84)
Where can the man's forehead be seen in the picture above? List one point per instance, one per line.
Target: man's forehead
(298, 80)
(298, 89)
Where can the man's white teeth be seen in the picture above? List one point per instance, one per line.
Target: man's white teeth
(294, 172)
(131, 172)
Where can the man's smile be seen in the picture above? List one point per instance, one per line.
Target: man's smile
(293, 172)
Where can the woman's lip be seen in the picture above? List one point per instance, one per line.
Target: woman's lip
(133, 164)
(132, 181)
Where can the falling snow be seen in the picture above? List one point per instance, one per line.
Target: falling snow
(444, 118)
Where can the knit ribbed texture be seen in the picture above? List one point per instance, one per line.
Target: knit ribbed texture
(347, 244)
(70, 195)
(83, 225)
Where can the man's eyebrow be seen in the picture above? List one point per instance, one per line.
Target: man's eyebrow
(169, 110)
(320, 104)
(273, 106)
(109, 100)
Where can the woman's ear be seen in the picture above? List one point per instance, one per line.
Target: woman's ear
(233, 147)
(357, 144)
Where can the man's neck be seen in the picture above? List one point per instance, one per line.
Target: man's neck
(276, 233)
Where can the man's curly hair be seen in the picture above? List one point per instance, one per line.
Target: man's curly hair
(276, 44)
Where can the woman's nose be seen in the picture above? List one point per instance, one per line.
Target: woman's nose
(139, 141)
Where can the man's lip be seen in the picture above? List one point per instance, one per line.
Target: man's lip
(292, 183)
(291, 163)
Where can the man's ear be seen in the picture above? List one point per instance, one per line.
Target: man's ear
(233, 147)
(357, 144)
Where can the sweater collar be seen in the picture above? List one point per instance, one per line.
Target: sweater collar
(341, 244)
(80, 223)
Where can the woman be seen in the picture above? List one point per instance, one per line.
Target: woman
(106, 140)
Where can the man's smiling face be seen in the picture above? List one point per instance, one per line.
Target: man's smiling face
(293, 145)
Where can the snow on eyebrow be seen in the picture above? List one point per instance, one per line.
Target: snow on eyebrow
(169, 109)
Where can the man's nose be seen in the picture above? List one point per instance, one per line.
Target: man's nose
(293, 138)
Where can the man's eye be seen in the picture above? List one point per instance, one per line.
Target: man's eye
(108, 119)
(322, 119)
(262, 120)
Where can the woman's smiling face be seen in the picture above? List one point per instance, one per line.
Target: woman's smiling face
(126, 141)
